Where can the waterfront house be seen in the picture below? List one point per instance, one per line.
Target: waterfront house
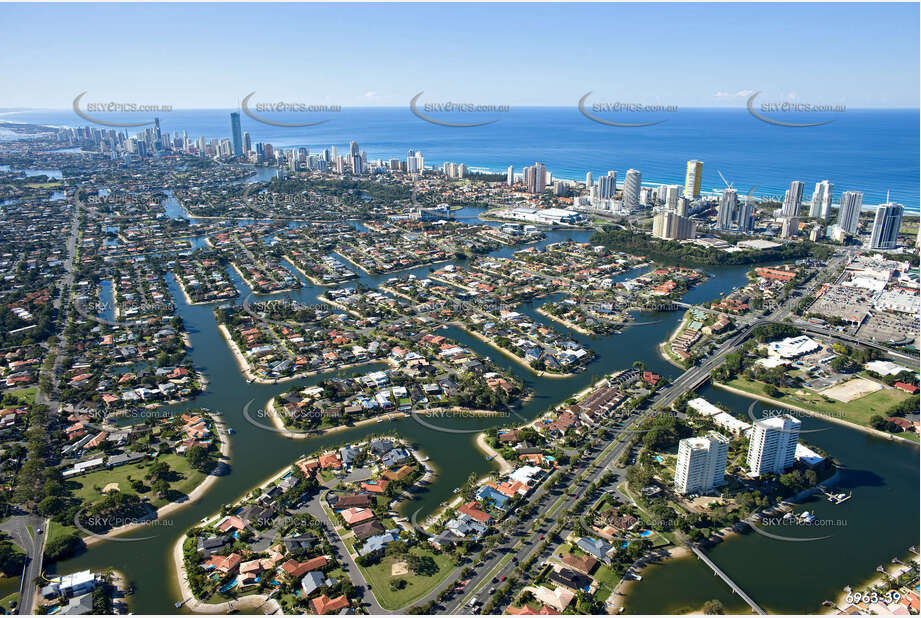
(324, 605)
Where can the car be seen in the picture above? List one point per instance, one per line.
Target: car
(39, 531)
(541, 537)
(495, 580)
(503, 578)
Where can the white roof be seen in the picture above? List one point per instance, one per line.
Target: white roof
(791, 347)
(771, 361)
(807, 455)
(884, 368)
(731, 423)
(524, 474)
(704, 407)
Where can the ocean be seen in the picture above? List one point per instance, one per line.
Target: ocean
(873, 151)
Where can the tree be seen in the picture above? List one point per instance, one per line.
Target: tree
(772, 391)
(713, 607)
(50, 505)
(198, 458)
(161, 486)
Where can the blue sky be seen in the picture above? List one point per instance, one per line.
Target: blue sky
(691, 55)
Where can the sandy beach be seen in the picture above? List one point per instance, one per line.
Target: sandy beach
(193, 496)
(564, 322)
(512, 356)
(279, 424)
(309, 278)
(504, 466)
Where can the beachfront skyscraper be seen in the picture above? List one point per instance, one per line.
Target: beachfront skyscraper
(236, 134)
(589, 183)
(632, 186)
(672, 193)
(535, 178)
(849, 211)
(792, 199)
(727, 215)
(701, 463)
(773, 445)
(510, 175)
(692, 179)
(821, 200)
(886, 226)
(607, 185)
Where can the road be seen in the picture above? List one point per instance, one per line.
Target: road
(33, 543)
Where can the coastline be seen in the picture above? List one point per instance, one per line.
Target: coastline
(870, 583)
(656, 557)
(819, 415)
(309, 278)
(567, 323)
(514, 357)
(249, 375)
(279, 423)
(252, 288)
(192, 497)
(504, 466)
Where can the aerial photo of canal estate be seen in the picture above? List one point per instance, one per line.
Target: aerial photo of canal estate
(460, 308)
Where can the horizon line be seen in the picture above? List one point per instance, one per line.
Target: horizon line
(568, 106)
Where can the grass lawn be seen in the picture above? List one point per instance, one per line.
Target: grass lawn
(56, 531)
(186, 479)
(24, 395)
(6, 602)
(857, 411)
(417, 586)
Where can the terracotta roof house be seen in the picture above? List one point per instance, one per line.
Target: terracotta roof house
(355, 516)
(324, 605)
(472, 509)
(583, 564)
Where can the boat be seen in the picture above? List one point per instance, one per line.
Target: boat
(807, 517)
(230, 430)
(788, 516)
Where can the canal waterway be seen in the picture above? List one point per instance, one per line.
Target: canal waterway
(880, 469)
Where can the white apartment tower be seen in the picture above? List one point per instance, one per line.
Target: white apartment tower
(773, 445)
(632, 185)
(607, 185)
(821, 200)
(849, 211)
(727, 215)
(886, 226)
(792, 199)
(701, 463)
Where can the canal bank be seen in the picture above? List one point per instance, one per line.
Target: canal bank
(258, 452)
(878, 523)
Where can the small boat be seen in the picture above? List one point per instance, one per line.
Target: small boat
(788, 516)
(230, 430)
